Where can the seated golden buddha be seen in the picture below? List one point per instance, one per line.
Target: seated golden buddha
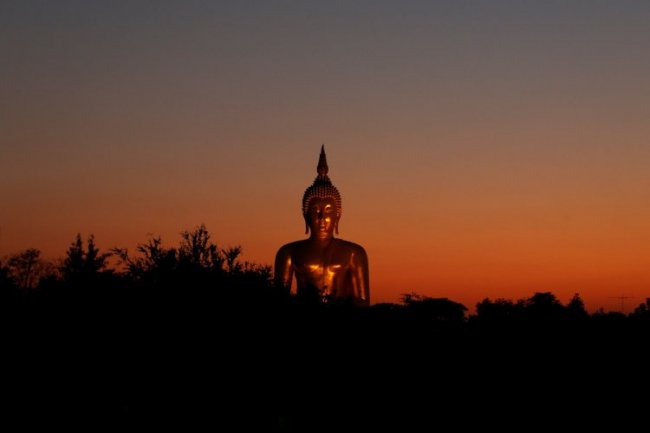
(325, 268)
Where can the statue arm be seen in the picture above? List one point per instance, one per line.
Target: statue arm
(360, 277)
(283, 273)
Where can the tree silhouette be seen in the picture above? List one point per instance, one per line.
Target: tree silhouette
(499, 310)
(4, 272)
(27, 268)
(441, 309)
(197, 251)
(642, 311)
(544, 306)
(7, 284)
(576, 308)
(153, 263)
(231, 255)
(83, 264)
(198, 264)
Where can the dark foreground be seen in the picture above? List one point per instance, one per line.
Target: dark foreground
(195, 356)
(192, 334)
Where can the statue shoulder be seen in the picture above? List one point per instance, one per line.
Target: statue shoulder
(352, 247)
(288, 248)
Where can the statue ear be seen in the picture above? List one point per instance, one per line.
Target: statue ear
(306, 224)
(336, 226)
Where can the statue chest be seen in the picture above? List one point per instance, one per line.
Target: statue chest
(319, 268)
(326, 273)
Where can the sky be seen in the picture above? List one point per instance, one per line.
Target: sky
(482, 149)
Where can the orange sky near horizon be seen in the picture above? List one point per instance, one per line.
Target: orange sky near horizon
(481, 150)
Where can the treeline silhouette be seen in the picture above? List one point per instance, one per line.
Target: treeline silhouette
(143, 331)
(199, 273)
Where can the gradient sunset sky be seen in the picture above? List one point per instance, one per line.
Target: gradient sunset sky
(482, 148)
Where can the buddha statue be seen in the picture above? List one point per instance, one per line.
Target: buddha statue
(326, 268)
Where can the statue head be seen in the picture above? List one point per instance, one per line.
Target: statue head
(321, 203)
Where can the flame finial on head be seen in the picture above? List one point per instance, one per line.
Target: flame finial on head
(322, 186)
(322, 168)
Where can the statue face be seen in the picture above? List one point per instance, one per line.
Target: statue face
(321, 217)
